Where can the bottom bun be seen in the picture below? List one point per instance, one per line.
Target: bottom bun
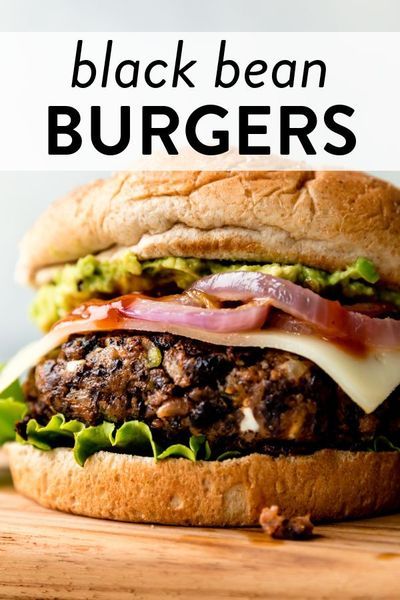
(329, 484)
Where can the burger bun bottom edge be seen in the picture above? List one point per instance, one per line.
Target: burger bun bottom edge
(329, 485)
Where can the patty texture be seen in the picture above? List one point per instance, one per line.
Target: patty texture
(242, 399)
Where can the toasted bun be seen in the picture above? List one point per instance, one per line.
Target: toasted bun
(329, 484)
(321, 219)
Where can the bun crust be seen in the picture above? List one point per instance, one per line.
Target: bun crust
(322, 219)
(329, 484)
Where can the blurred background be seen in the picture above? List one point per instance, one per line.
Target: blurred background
(23, 196)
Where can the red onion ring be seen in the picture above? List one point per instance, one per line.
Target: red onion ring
(329, 317)
(242, 318)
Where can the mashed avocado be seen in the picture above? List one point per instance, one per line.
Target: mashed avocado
(91, 278)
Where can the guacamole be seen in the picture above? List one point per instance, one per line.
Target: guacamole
(92, 278)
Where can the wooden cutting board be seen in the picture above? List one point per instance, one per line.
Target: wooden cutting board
(45, 554)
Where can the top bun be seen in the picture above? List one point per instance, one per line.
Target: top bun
(321, 219)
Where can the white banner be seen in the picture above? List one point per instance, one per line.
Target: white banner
(105, 101)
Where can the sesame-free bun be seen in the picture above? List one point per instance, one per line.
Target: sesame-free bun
(321, 219)
(330, 485)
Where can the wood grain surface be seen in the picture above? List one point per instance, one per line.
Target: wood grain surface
(45, 554)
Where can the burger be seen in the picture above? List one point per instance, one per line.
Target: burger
(214, 343)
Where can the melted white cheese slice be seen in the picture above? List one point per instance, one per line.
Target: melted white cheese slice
(368, 379)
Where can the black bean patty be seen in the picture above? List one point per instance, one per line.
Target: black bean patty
(241, 399)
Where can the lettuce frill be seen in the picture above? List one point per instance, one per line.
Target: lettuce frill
(133, 437)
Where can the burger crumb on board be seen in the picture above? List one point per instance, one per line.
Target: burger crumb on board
(280, 527)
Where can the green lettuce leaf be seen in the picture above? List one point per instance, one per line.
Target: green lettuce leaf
(382, 443)
(12, 410)
(228, 454)
(133, 437)
(57, 432)
(10, 413)
(90, 440)
(198, 449)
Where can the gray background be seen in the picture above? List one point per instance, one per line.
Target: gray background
(24, 195)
